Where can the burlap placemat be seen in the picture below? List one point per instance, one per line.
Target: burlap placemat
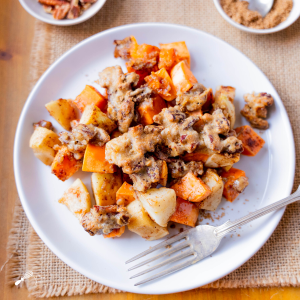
(277, 263)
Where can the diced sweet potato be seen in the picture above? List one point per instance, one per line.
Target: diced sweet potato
(186, 213)
(148, 110)
(115, 233)
(162, 84)
(164, 174)
(181, 50)
(93, 115)
(191, 188)
(252, 142)
(230, 192)
(105, 187)
(90, 96)
(94, 160)
(182, 77)
(167, 59)
(64, 164)
(126, 192)
(198, 155)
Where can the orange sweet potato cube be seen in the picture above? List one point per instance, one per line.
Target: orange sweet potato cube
(186, 213)
(182, 77)
(181, 50)
(191, 188)
(64, 164)
(252, 142)
(94, 160)
(115, 233)
(230, 177)
(126, 192)
(167, 59)
(198, 155)
(148, 110)
(162, 84)
(90, 96)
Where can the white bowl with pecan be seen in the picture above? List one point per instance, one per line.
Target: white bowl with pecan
(62, 12)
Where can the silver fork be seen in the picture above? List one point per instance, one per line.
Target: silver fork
(199, 242)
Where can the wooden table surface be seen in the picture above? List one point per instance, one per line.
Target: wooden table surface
(16, 33)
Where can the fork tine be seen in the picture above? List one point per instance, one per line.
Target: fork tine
(186, 253)
(174, 249)
(168, 271)
(165, 243)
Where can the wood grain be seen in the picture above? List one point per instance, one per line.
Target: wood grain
(16, 33)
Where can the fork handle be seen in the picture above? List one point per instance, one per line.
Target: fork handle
(229, 226)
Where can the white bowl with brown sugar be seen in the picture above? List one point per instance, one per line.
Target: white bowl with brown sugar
(283, 14)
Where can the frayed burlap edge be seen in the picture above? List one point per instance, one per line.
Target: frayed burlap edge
(14, 262)
(37, 290)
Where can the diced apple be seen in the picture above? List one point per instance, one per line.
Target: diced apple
(90, 96)
(94, 160)
(215, 183)
(219, 160)
(148, 109)
(223, 99)
(182, 52)
(186, 213)
(62, 111)
(182, 77)
(105, 187)
(191, 188)
(42, 142)
(93, 115)
(77, 199)
(159, 203)
(64, 164)
(141, 224)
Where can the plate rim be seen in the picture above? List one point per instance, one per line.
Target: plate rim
(276, 215)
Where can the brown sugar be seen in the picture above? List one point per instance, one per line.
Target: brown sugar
(238, 11)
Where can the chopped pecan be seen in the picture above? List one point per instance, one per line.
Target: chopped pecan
(75, 10)
(128, 150)
(61, 11)
(104, 219)
(178, 168)
(178, 133)
(215, 125)
(43, 123)
(255, 109)
(195, 98)
(120, 104)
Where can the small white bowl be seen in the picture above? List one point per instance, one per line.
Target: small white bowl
(37, 11)
(294, 15)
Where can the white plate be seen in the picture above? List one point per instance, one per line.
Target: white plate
(36, 10)
(213, 62)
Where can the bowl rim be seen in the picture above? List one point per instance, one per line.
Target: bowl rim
(82, 18)
(286, 23)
